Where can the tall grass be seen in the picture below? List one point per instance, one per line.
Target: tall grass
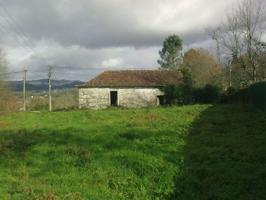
(190, 152)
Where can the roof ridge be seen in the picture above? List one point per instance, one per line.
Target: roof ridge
(134, 70)
(134, 78)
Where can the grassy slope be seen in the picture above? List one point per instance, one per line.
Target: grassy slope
(193, 152)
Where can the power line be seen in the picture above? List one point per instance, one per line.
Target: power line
(17, 36)
(5, 30)
(12, 22)
(10, 73)
(16, 25)
(55, 75)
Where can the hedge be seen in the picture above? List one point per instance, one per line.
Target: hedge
(257, 93)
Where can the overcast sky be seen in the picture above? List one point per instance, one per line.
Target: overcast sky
(78, 37)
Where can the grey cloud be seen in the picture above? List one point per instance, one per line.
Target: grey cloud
(98, 24)
(79, 62)
(90, 34)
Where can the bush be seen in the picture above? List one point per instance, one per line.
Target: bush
(172, 94)
(61, 101)
(231, 91)
(238, 97)
(257, 93)
(211, 93)
(226, 96)
(183, 94)
(207, 94)
(8, 100)
(178, 94)
(65, 100)
(38, 103)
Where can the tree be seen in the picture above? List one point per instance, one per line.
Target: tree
(262, 67)
(240, 35)
(3, 67)
(203, 67)
(171, 53)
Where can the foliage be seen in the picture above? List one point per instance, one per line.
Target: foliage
(231, 91)
(240, 37)
(65, 100)
(172, 94)
(257, 93)
(189, 152)
(185, 93)
(7, 98)
(254, 95)
(61, 100)
(182, 93)
(241, 75)
(187, 85)
(207, 94)
(171, 52)
(262, 66)
(203, 67)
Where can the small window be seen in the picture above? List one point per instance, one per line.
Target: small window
(113, 98)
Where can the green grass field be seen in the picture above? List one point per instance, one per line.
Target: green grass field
(192, 152)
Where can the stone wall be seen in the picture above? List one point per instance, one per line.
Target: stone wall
(99, 98)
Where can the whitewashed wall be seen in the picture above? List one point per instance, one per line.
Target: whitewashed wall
(99, 98)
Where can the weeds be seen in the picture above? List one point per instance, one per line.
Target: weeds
(190, 152)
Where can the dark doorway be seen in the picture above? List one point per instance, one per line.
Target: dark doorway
(113, 97)
(161, 100)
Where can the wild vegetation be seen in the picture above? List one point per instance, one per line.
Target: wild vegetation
(7, 97)
(240, 43)
(188, 152)
(240, 60)
(61, 100)
(191, 152)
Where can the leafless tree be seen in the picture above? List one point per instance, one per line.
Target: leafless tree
(240, 36)
(3, 67)
(7, 98)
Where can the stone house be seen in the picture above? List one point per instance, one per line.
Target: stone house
(126, 88)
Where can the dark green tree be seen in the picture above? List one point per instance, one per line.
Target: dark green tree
(171, 53)
(181, 93)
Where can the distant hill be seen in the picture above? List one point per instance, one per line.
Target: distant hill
(42, 84)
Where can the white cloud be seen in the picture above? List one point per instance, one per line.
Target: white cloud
(112, 62)
(92, 34)
(76, 62)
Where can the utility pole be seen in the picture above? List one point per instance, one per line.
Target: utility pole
(24, 89)
(215, 37)
(50, 88)
(230, 72)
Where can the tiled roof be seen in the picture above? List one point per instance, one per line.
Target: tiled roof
(134, 78)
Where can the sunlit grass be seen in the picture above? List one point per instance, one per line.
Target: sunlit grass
(118, 154)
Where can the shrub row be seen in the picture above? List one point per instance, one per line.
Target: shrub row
(184, 94)
(255, 95)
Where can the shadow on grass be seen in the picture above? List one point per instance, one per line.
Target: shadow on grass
(224, 156)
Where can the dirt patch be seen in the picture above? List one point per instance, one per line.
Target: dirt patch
(154, 117)
(4, 125)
